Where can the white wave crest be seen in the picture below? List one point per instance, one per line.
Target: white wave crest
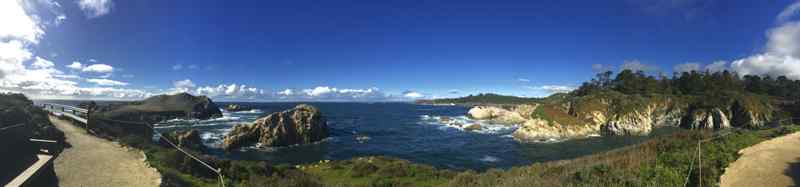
(463, 123)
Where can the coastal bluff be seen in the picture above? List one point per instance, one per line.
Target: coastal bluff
(612, 114)
(303, 124)
(106, 119)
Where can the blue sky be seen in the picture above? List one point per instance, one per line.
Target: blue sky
(377, 50)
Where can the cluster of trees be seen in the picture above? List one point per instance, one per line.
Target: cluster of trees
(691, 83)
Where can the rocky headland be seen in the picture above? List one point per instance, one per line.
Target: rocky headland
(303, 124)
(106, 119)
(611, 113)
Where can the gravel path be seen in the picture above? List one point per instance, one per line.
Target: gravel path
(92, 161)
(774, 162)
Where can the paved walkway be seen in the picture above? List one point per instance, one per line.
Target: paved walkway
(774, 162)
(92, 161)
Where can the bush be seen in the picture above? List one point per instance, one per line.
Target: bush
(362, 168)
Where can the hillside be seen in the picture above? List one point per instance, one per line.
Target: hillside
(633, 103)
(481, 99)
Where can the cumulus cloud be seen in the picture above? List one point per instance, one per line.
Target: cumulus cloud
(98, 68)
(552, 89)
(717, 66)
(95, 8)
(106, 82)
(789, 12)
(17, 24)
(557, 89)
(636, 65)
(782, 55)
(523, 80)
(599, 68)
(177, 67)
(23, 72)
(75, 65)
(687, 67)
(412, 94)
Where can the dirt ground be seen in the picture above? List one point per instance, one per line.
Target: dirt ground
(774, 162)
(92, 161)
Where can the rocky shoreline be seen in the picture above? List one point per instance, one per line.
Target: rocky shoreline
(586, 117)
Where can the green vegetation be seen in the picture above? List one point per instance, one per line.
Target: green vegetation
(487, 98)
(663, 160)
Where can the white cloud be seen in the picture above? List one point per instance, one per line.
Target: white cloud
(552, 89)
(687, 67)
(785, 40)
(16, 24)
(782, 55)
(185, 85)
(60, 19)
(636, 65)
(177, 67)
(789, 12)
(75, 65)
(42, 63)
(36, 76)
(717, 66)
(99, 68)
(95, 8)
(412, 94)
(523, 80)
(286, 92)
(106, 82)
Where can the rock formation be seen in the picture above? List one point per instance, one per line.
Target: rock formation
(188, 139)
(612, 114)
(302, 125)
(236, 108)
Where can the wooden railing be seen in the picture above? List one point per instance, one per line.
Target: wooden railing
(82, 116)
(48, 151)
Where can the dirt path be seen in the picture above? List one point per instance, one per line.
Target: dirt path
(774, 162)
(92, 161)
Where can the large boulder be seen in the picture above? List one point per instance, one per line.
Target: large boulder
(188, 139)
(513, 115)
(301, 125)
(236, 108)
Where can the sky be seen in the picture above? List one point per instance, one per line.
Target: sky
(301, 50)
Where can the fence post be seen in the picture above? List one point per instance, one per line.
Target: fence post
(699, 165)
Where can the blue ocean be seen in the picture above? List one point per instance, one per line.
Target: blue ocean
(403, 130)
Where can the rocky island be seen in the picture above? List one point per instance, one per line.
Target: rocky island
(301, 125)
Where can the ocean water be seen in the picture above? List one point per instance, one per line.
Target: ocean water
(433, 135)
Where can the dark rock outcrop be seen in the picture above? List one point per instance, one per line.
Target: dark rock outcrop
(302, 125)
(236, 108)
(162, 107)
(188, 139)
(106, 119)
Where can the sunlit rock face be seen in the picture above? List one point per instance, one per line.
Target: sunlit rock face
(303, 124)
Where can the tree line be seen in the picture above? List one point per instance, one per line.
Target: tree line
(691, 83)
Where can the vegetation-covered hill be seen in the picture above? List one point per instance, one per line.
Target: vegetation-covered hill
(482, 99)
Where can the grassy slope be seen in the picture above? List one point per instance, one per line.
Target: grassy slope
(660, 161)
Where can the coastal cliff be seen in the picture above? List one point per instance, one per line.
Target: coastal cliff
(611, 114)
(301, 125)
(151, 110)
